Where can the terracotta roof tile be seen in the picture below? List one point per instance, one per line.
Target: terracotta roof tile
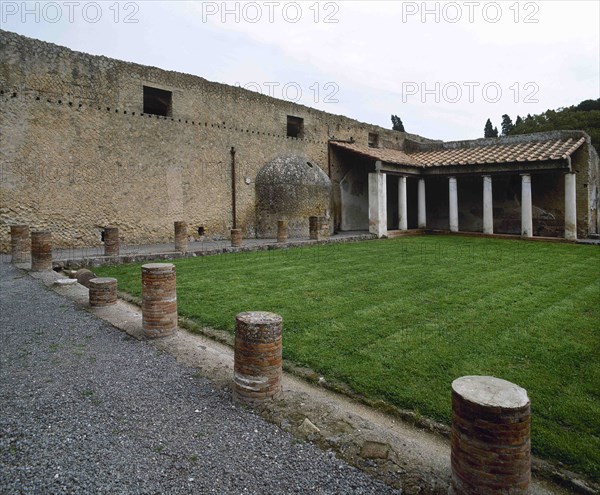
(384, 154)
(553, 149)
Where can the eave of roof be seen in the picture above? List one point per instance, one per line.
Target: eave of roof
(501, 153)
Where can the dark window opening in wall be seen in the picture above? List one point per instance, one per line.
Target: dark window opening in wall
(373, 140)
(158, 101)
(295, 127)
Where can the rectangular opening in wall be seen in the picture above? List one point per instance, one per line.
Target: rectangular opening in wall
(295, 127)
(373, 140)
(158, 101)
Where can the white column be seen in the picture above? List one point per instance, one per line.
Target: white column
(377, 204)
(422, 219)
(402, 204)
(488, 205)
(570, 206)
(526, 207)
(453, 206)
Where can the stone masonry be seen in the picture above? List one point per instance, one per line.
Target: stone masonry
(74, 122)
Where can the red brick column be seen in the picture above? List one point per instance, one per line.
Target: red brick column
(103, 292)
(181, 237)
(20, 244)
(111, 241)
(490, 449)
(313, 228)
(159, 300)
(257, 356)
(318, 228)
(282, 230)
(323, 227)
(236, 237)
(41, 251)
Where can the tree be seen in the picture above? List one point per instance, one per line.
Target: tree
(397, 124)
(518, 121)
(585, 117)
(507, 125)
(489, 131)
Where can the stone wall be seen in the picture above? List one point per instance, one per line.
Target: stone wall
(78, 153)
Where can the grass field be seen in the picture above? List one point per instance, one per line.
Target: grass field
(400, 319)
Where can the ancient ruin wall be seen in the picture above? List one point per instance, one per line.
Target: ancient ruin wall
(78, 154)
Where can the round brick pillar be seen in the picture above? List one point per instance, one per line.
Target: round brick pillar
(490, 446)
(103, 292)
(323, 226)
(111, 241)
(41, 251)
(236, 237)
(313, 228)
(181, 237)
(159, 300)
(282, 230)
(257, 357)
(318, 228)
(20, 244)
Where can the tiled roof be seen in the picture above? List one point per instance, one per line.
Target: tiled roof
(384, 154)
(553, 149)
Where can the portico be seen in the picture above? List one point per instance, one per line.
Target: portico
(491, 188)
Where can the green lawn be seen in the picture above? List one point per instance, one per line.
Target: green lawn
(400, 319)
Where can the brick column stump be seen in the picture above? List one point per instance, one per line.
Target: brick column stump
(257, 357)
(20, 244)
(159, 300)
(490, 445)
(103, 292)
(181, 238)
(323, 226)
(282, 230)
(41, 251)
(318, 228)
(236, 237)
(313, 228)
(111, 241)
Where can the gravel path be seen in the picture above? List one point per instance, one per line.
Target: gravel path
(86, 409)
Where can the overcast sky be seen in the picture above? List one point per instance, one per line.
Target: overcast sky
(443, 67)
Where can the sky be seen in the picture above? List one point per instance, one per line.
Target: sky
(443, 67)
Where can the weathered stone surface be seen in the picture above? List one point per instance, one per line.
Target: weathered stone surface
(374, 450)
(490, 444)
(308, 428)
(291, 187)
(83, 276)
(257, 356)
(41, 251)
(159, 300)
